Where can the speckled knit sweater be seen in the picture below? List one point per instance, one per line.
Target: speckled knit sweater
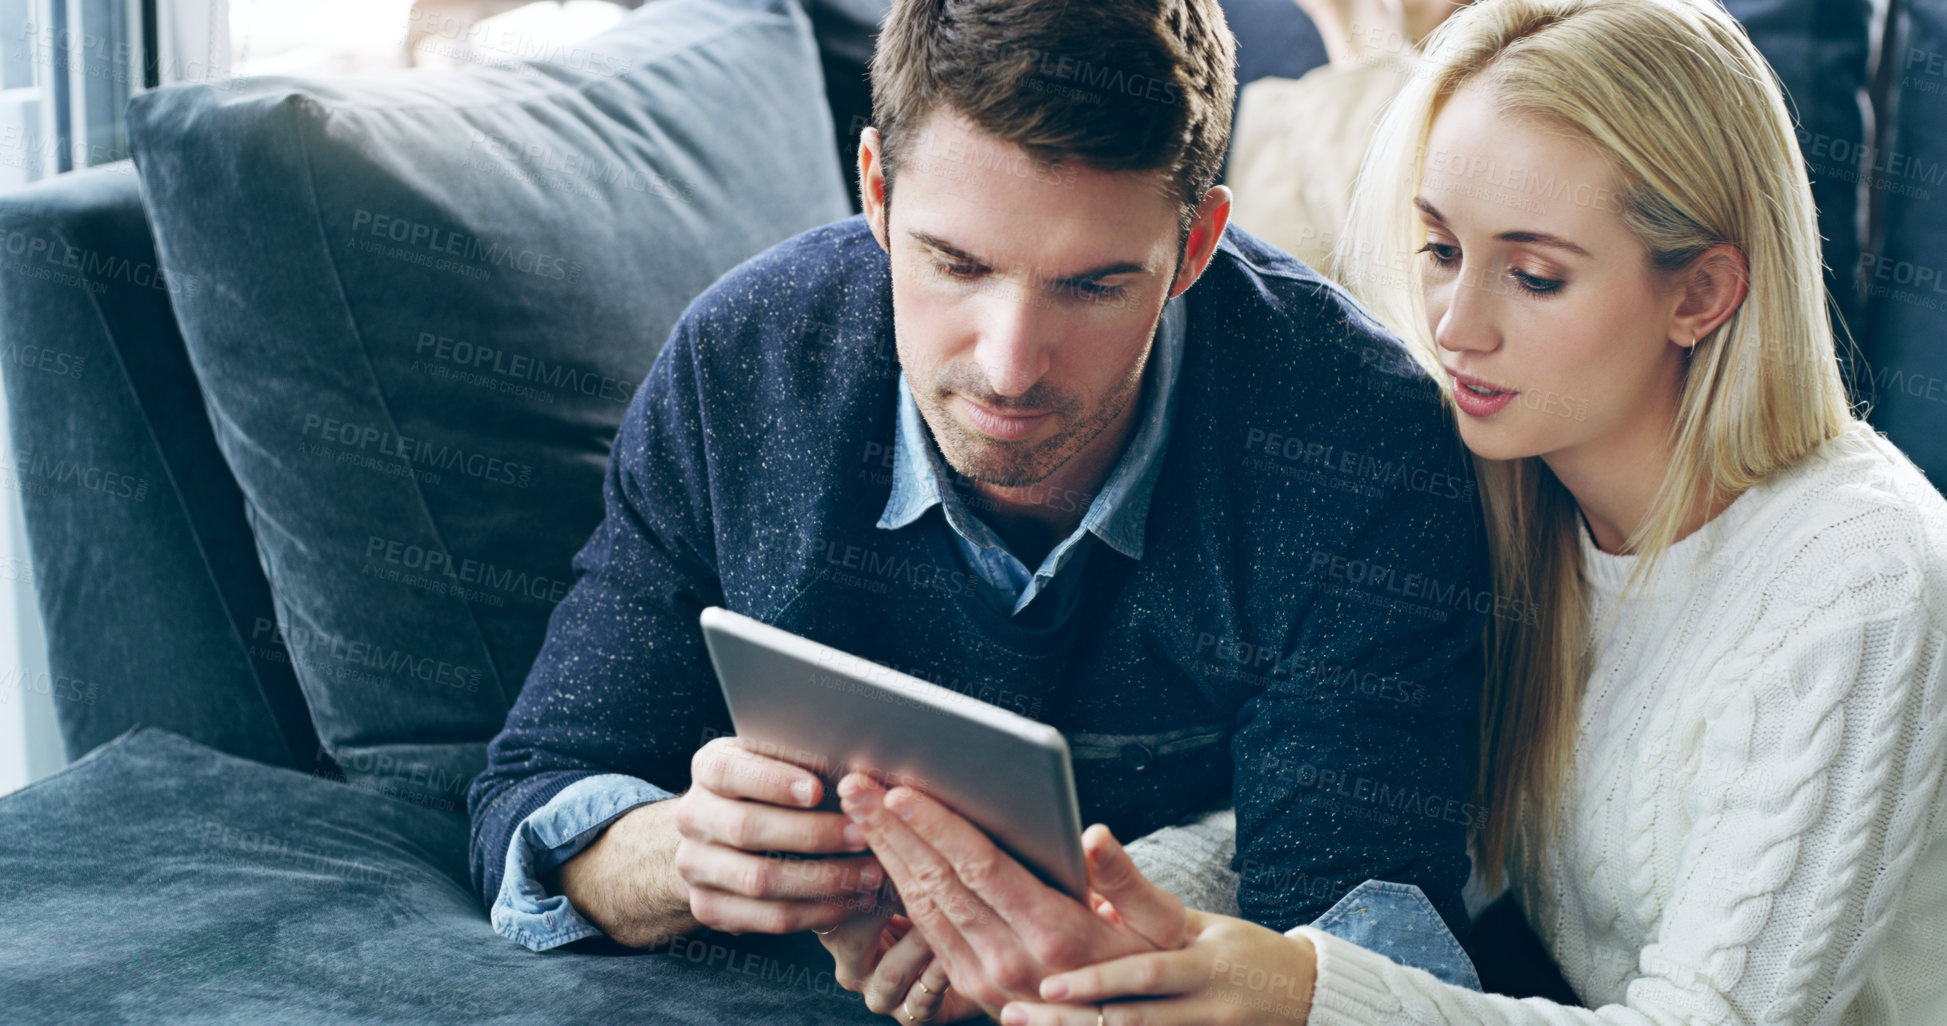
(1300, 635)
(1753, 834)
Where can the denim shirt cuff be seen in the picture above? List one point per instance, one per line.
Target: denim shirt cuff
(1397, 921)
(524, 911)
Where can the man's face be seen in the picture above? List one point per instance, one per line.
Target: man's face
(1024, 295)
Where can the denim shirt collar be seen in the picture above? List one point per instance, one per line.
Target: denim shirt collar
(1117, 514)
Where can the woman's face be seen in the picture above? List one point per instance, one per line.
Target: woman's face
(1537, 294)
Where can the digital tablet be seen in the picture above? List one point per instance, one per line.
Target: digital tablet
(817, 707)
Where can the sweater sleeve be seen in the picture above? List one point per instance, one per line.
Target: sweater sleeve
(1817, 790)
(1350, 753)
(1191, 860)
(622, 684)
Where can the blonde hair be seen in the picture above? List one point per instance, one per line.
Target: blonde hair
(1692, 121)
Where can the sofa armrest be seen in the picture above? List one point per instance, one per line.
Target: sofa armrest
(147, 578)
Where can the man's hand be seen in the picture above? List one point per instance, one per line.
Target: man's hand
(999, 930)
(662, 869)
(741, 805)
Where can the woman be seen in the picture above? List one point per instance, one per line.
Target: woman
(1714, 772)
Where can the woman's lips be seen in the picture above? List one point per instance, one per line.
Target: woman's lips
(1478, 398)
(1004, 426)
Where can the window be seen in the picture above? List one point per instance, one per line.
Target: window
(28, 142)
(68, 67)
(290, 37)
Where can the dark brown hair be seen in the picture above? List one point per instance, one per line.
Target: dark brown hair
(1117, 85)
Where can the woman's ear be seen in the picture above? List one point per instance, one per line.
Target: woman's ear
(1712, 289)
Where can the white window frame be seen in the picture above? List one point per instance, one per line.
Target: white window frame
(30, 745)
(29, 140)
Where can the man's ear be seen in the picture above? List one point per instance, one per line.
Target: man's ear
(1201, 244)
(872, 185)
(1713, 288)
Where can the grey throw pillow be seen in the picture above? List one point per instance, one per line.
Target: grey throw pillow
(429, 298)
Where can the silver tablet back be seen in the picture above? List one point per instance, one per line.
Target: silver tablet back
(831, 712)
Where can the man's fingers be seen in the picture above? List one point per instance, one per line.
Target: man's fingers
(891, 987)
(987, 959)
(920, 910)
(931, 887)
(754, 826)
(778, 879)
(726, 767)
(734, 913)
(1154, 913)
(1150, 974)
(987, 872)
(1037, 923)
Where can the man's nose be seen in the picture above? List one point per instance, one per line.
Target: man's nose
(1010, 350)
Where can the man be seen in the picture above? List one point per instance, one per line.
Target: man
(989, 434)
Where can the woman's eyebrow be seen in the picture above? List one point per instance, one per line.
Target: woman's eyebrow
(1542, 239)
(1517, 235)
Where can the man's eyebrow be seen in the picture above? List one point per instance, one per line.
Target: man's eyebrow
(935, 242)
(949, 249)
(1533, 238)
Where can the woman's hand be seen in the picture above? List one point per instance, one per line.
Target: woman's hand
(1232, 972)
(883, 958)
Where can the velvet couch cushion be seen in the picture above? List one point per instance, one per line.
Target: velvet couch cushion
(265, 895)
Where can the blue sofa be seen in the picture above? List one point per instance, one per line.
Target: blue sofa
(311, 402)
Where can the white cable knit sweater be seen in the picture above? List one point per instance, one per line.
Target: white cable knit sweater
(1753, 834)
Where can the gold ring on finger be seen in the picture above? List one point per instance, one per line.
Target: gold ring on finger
(824, 931)
(924, 987)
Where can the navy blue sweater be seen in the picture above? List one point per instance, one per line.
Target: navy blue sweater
(1300, 636)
